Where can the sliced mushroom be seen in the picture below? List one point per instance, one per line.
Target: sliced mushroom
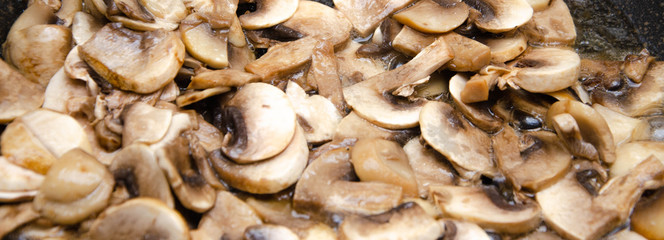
(459, 230)
(568, 131)
(228, 219)
(379, 160)
(449, 133)
(553, 25)
(273, 63)
(221, 78)
(648, 129)
(406, 221)
(61, 90)
(14, 215)
(203, 42)
(647, 217)
(621, 126)
(366, 15)
(220, 14)
(17, 183)
(18, 95)
(486, 207)
(500, 15)
(354, 68)
(506, 48)
(626, 234)
(134, 10)
(269, 232)
(478, 115)
(354, 126)
(280, 212)
(469, 55)
(323, 75)
(35, 14)
(145, 124)
(267, 176)
(372, 99)
(269, 13)
(141, 68)
(636, 66)
(430, 16)
(538, 5)
(320, 21)
(316, 114)
(192, 96)
(410, 41)
(574, 212)
(67, 11)
(629, 155)
(139, 218)
(75, 187)
(172, 11)
(334, 170)
(547, 69)
(21, 147)
(208, 135)
(428, 166)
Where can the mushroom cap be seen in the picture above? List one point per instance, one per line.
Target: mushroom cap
(18, 95)
(269, 13)
(430, 16)
(263, 123)
(498, 16)
(320, 21)
(139, 218)
(406, 221)
(547, 69)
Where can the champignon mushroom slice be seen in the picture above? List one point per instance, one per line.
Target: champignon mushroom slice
(533, 160)
(406, 221)
(140, 218)
(316, 114)
(17, 183)
(172, 11)
(506, 48)
(629, 155)
(35, 14)
(428, 166)
(547, 69)
(269, 232)
(135, 169)
(205, 43)
(379, 160)
(469, 55)
(144, 68)
(67, 11)
(430, 16)
(573, 212)
(334, 170)
(320, 21)
(486, 207)
(145, 124)
(366, 15)
(568, 130)
(354, 126)
(76, 187)
(280, 212)
(192, 96)
(621, 126)
(538, 5)
(636, 66)
(372, 99)
(269, 13)
(626, 234)
(498, 16)
(228, 219)
(553, 25)
(465, 146)
(13, 216)
(221, 78)
(460, 230)
(283, 58)
(58, 132)
(208, 135)
(323, 75)
(134, 10)
(593, 127)
(267, 176)
(410, 42)
(61, 90)
(260, 123)
(19, 146)
(480, 116)
(647, 217)
(18, 95)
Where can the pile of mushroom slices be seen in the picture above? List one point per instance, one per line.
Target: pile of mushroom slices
(349, 119)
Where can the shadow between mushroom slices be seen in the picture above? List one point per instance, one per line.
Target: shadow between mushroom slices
(406, 221)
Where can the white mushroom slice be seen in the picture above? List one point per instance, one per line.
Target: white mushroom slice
(115, 54)
(538, 5)
(481, 117)
(428, 167)
(269, 13)
(320, 21)
(406, 221)
(67, 11)
(283, 58)
(500, 15)
(267, 176)
(219, 13)
(208, 45)
(629, 155)
(228, 219)
(133, 10)
(58, 132)
(353, 68)
(533, 160)
(136, 170)
(61, 89)
(167, 10)
(332, 169)
(486, 207)
(553, 25)
(411, 42)
(469, 55)
(647, 217)
(17, 183)
(18, 95)
(221, 78)
(621, 126)
(316, 114)
(190, 97)
(430, 16)
(573, 212)
(269, 232)
(35, 14)
(354, 126)
(449, 133)
(209, 136)
(461, 230)
(76, 187)
(145, 124)
(76, 68)
(260, 123)
(372, 99)
(506, 48)
(366, 15)
(379, 160)
(547, 70)
(13, 216)
(139, 218)
(279, 212)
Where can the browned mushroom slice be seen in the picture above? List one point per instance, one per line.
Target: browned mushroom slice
(205, 43)
(221, 78)
(406, 221)
(324, 77)
(354, 126)
(267, 176)
(430, 16)
(283, 58)
(366, 15)
(22, 148)
(192, 96)
(269, 232)
(500, 15)
(460, 230)
(220, 14)
(469, 55)
(647, 217)
(269, 13)
(323, 22)
(13, 216)
(208, 135)
(35, 14)
(553, 25)
(577, 213)
(316, 114)
(621, 126)
(380, 160)
(549, 235)
(647, 129)
(139, 218)
(18, 95)
(533, 160)
(172, 11)
(67, 11)
(334, 170)
(142, 68)
(228, 219)
(75, 187)
(145, 124)
(250, 116)
(547, 69)
(486, 207)
(480, 116)
(636, 66)
(506, 48)
(629, 155)
(61, 90)
(410, 41)
(428, 166)
(569, 132)
(466, 146)
(17, 183)
(134, 10)
(354, 68)
(280, 212)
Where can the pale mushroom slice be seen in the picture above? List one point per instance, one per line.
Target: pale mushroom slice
(334, 170)
(145, 124)
(379, 160)
(283, 58)
(478, 115)
(464, 145)
(356, 127)
(533, 160)
(629, 155)
(576, 212)
(18, 95)
(538, 5)
(269, 232)
(17, 183)
(13, 216)
(76, 187)
(647, 129)
(373, 100)
(139, 218)
(135, 169)
(19, 146)
(428, 166)
(228, 219)
(621, 126)
(487, 208)
(498, 16)
(406, 221)
(553, 25)
(267, 176)
(506, 48)
(204, 43)
(323, 75)
(592, 126)
(647, 217)
(35, 14)
(366, 15)
(269, 13)
(320, 21)
(142, 68)
(410, 42)
(192, 96)
(280, 212)
(209, 136)
(469, 55)
(260, 122)
(430, 16)
(353, 68)
(61, 90)
(68, 10)
(316, 114)
(547, 69)
(221, 78)
(461, 230)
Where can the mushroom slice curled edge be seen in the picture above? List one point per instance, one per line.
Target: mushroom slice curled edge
(546, 69)
(114, 53)
(486, 207)
(267, 176)
(260, 122)
(140, 218)
(18, 95)
(498, 16)
(316, 114)
(17, 183)
(406, 221)
(269, 13)
(228, 219)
